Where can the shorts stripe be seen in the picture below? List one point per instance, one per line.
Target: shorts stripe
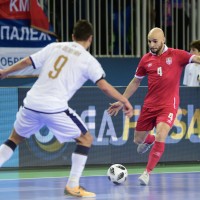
(76, 121)
(43, 112)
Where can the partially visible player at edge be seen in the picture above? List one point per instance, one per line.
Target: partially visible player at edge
(66, 66)
(163, 66)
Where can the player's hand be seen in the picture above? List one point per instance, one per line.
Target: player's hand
(128, 110)
(115, 108)
(3, 74)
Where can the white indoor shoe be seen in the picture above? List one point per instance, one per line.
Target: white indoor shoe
(144, 178)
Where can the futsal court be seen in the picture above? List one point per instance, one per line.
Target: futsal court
(166, 183)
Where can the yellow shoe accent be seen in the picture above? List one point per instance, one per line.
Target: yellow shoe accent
(78, 192)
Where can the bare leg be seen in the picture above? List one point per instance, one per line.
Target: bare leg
(140, 136)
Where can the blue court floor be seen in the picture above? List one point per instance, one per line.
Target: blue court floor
(168, 186)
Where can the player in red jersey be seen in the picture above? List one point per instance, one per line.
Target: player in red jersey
(163, 66)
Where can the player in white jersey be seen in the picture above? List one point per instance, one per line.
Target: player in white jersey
(65, 68)
(192, 75)
(192, 70)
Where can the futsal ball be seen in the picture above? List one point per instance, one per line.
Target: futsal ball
(117, 174)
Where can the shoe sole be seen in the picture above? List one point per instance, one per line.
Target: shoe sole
(67, 193)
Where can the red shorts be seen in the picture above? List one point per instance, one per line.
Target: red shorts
(150, 117)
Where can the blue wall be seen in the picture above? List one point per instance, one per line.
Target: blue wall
(119, 72)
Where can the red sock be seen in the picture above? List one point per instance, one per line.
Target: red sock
(155, 155)
(150, 139)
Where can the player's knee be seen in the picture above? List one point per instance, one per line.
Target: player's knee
(89, 138)
(85, 139)
(161, 136)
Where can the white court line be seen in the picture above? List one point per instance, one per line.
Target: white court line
(95, 176)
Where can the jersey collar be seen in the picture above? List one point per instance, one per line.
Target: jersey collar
(77, 44)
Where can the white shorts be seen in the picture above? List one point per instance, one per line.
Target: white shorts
(65, 125)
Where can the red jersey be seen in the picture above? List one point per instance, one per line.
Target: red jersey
(164, 72)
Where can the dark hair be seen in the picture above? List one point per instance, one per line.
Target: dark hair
(195, 44)
(82, 30)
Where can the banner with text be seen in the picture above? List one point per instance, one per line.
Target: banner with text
(113, 136)
(24, 29)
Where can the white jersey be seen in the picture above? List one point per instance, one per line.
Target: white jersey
(65, 67)
(191, 73)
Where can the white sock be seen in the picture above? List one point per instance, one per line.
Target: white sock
(78, 165)
(5, 153)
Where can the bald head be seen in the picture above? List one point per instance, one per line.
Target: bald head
(156, 40)
(156, 33)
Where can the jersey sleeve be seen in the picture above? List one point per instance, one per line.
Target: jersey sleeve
(41, 56)
(95, 71)
(184, 57)
(140, 71)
